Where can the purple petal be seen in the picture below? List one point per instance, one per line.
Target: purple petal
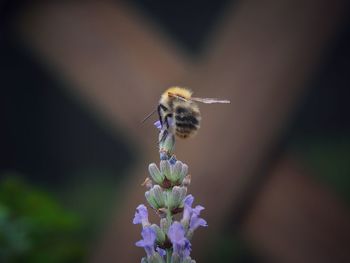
(172, 160)
(141, 215)
(197, 222)
(158, 125)
(161, 252)
(181, 245)
(189, 200)
(197, 210)
(149, 237)
(176, 233)
(187, 249)
(187, 209)
(140, 243)
(186, 215)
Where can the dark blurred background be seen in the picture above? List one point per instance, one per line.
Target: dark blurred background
(77, 77)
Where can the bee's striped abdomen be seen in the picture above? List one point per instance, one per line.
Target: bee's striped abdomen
(186, 121)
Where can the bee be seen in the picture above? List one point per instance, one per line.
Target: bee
(178, 107)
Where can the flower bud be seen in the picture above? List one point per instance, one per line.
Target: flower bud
(164, 225)
(157, 193)
(176, 196)
(184, 172)
(165, 169)
(160, 234)
(156, 175)
(176, 171)
(155, 197)
(150, 199)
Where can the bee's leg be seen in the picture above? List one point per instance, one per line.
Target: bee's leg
(166, 131)
(164, 135)
(159, 114)
(159, 109)
(170, 115)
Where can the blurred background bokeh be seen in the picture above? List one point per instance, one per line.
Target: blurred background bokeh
(272, 168)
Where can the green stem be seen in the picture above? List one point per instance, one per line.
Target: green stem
(169, 217)
(168, 255)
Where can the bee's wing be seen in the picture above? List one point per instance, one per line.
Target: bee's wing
(210, 100)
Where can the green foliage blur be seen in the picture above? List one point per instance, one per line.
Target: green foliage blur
(34, 227)
(328, 159)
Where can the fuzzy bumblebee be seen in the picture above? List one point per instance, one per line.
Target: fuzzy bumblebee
(178, 107)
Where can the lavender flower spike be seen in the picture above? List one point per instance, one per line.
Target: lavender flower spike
(167, 188)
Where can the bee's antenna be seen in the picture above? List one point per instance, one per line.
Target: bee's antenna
(149, 115)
